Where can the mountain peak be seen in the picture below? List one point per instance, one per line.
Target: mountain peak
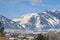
(54, 10)
(9, 24)
(40, 21)
(1, 15)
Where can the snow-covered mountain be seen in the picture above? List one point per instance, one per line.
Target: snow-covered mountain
(46, 20)
(9, 25)
(34, 22)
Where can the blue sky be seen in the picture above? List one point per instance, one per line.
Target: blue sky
(16, 8)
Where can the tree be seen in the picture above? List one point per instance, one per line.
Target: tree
(1, 30)
(41, 37)
(0, 24)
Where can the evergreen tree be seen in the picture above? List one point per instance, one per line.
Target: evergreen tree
(41, 37)
(0, 24)
(1, 30)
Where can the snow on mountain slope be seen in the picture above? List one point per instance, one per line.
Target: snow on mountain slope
(9, 25)
(46, 20)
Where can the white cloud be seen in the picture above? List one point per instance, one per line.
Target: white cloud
(32, 2)
(40, 4)
(37, 2)
(10, 1)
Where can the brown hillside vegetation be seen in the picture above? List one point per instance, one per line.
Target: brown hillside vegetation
(3, 38)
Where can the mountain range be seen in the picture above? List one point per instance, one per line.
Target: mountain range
(48, 20)
(9, 25)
